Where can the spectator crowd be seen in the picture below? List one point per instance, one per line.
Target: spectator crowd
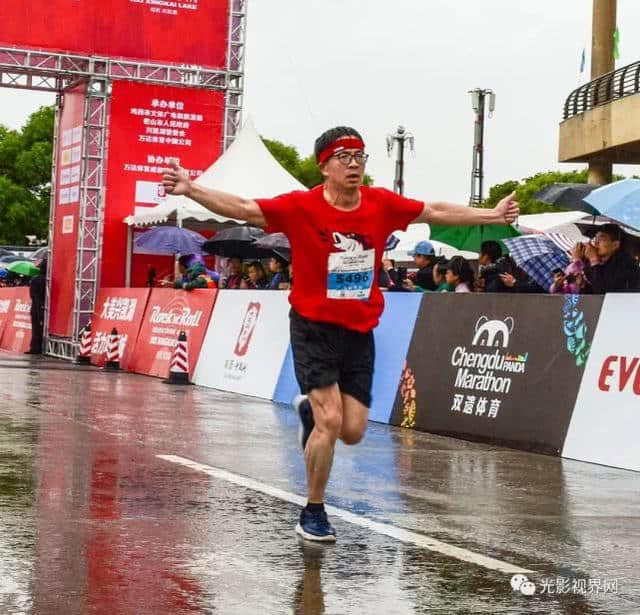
(603, 265)
(597, 267)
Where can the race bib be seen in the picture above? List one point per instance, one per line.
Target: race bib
(350, 274)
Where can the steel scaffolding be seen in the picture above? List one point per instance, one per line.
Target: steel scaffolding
(47, 71)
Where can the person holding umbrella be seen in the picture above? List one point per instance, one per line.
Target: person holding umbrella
(337, 233)
(608, 268)
(37, 290)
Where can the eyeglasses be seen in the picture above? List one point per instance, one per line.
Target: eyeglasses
(345, 158)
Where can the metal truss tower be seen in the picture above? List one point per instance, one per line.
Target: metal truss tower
(54, 72)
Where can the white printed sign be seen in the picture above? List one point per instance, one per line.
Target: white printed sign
(76, 154)
(65, 176)
(246, 342)
(67, 225)
(66, 137)
(149, 192)
(606, 418)
(77, 134)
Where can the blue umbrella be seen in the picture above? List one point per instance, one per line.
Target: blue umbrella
(170, 240)
(538, 256)
(619, 201)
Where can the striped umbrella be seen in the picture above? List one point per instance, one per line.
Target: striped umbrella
(538, 256)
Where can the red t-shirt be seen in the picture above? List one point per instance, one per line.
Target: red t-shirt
(336, 254)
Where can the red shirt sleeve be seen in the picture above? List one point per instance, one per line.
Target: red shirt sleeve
(399, 211)
(278, 212)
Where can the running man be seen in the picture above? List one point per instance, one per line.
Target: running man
(337, 233)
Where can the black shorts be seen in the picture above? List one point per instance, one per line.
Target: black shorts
(324, 354)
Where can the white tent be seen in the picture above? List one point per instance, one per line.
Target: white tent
(247, 169)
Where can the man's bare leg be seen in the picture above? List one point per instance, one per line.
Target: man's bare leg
(355, 416)
(326, 404)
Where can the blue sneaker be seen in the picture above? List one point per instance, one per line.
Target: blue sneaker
(302, 406)
(314, 525)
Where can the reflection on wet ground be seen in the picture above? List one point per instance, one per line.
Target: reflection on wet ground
(94, 521)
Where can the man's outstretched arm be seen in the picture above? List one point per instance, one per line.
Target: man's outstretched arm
(176, 181)
(446, 214)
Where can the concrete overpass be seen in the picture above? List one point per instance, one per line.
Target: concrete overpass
(602, 120)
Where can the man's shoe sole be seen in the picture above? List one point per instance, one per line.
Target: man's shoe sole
(328, 538)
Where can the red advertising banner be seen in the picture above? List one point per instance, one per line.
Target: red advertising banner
(177, 31)
(6, 299)
(123, 309)
(169, 312)
(65, 214)
(150, 125)
(17, 328)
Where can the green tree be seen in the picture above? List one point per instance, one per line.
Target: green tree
(25, 176)
(527, 187)
(305, 170)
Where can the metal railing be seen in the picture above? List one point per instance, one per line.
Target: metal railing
(611, 86)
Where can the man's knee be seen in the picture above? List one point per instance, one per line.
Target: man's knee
(328, 418)
(352, 434)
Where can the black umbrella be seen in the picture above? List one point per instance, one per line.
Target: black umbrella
(276, 243)
(567, 196)
(237, 241)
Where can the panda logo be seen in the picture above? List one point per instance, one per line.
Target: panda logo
(493, 332)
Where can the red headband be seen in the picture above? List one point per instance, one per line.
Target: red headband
(338, 145)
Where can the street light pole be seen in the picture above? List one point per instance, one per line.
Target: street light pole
(478, 103)
(401, 137)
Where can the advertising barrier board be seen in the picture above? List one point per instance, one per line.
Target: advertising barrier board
(606, 419)
(122, 308)
(168, 313)
(497, 368)
(246, 342)
(6, 301)
(16, 336)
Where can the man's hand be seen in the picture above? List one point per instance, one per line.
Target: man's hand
(176, 180)
(508, 280)
(591, 254)
(409, 285)
(507, 210)
(577, 252)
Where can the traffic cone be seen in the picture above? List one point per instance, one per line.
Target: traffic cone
(84, 356)
(179, 367)
(113, 352)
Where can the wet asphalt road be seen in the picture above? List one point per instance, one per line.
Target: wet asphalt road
(93, 521)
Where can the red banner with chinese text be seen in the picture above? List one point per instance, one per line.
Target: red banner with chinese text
(150, 125)
(123, 309)
(65, 214)
(16, 336)
(169, 312)
(6, 300)
(180, 31)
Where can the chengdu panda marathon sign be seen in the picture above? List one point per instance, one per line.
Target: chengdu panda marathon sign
(156, 80)
(478, 367)
(480, 370)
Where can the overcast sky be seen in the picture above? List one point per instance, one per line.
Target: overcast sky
(313, 64)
